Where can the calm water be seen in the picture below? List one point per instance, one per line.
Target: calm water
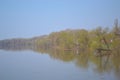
(35, 65)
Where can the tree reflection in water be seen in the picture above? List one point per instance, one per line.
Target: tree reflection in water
(83, 59)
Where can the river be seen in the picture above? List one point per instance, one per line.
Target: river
(57, 65)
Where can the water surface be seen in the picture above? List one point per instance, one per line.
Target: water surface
(31, 64)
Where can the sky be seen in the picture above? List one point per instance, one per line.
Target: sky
(30, 18)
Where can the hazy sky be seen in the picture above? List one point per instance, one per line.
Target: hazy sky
(28, 18)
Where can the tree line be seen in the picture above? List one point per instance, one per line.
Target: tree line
(81, 39)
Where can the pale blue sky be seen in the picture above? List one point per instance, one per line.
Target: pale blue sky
(29, 18)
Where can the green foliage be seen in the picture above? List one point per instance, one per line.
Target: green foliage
(80, 39)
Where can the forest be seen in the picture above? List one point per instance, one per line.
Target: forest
(100, 39)
(79, 45)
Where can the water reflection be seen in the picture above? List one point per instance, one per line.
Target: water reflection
(82, 59)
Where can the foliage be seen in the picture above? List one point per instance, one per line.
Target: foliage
(81, 39)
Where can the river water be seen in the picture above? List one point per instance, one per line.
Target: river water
(56, 65)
